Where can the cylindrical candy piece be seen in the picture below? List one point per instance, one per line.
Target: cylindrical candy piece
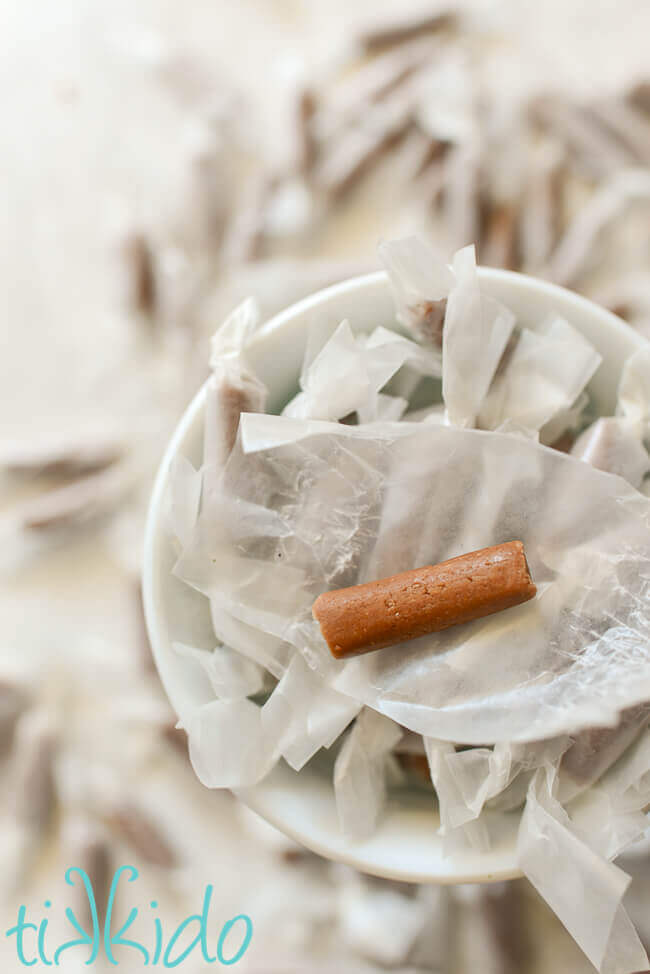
(414, 603)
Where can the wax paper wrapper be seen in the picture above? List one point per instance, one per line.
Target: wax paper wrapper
(234, 741)
(232, 388)
(470, 779)
(458, 827)
(475, 335)
(592, 752)
(231, 675)
(421, 283)
(183, 500)
(562, 856)
(324, 495)
(302, 714)
(567, 421)
(445, 309)
(564, 847)
(466, 781)
(348, 373)
(227, 744)
(491, 375)
(543, 374)
(634, 388)
(615, 444)
(360, 772)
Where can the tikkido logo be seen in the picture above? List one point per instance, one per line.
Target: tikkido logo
(31, 938)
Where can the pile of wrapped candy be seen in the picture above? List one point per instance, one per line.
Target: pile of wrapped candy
(540, 712)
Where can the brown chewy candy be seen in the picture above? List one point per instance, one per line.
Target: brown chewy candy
(392, 610)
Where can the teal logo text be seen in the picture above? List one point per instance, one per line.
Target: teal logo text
(224, 946)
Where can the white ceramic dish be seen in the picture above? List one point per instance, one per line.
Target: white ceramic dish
(405, 846)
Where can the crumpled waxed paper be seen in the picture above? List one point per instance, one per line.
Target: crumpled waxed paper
(231, 389)
(360, 772)
(232, 676)
(582, 887)
(573, 657)
(545, 373)
(615, 444)
(476, 333)
(348, 373)
(303, 715)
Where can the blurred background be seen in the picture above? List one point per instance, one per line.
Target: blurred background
(160, 161)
